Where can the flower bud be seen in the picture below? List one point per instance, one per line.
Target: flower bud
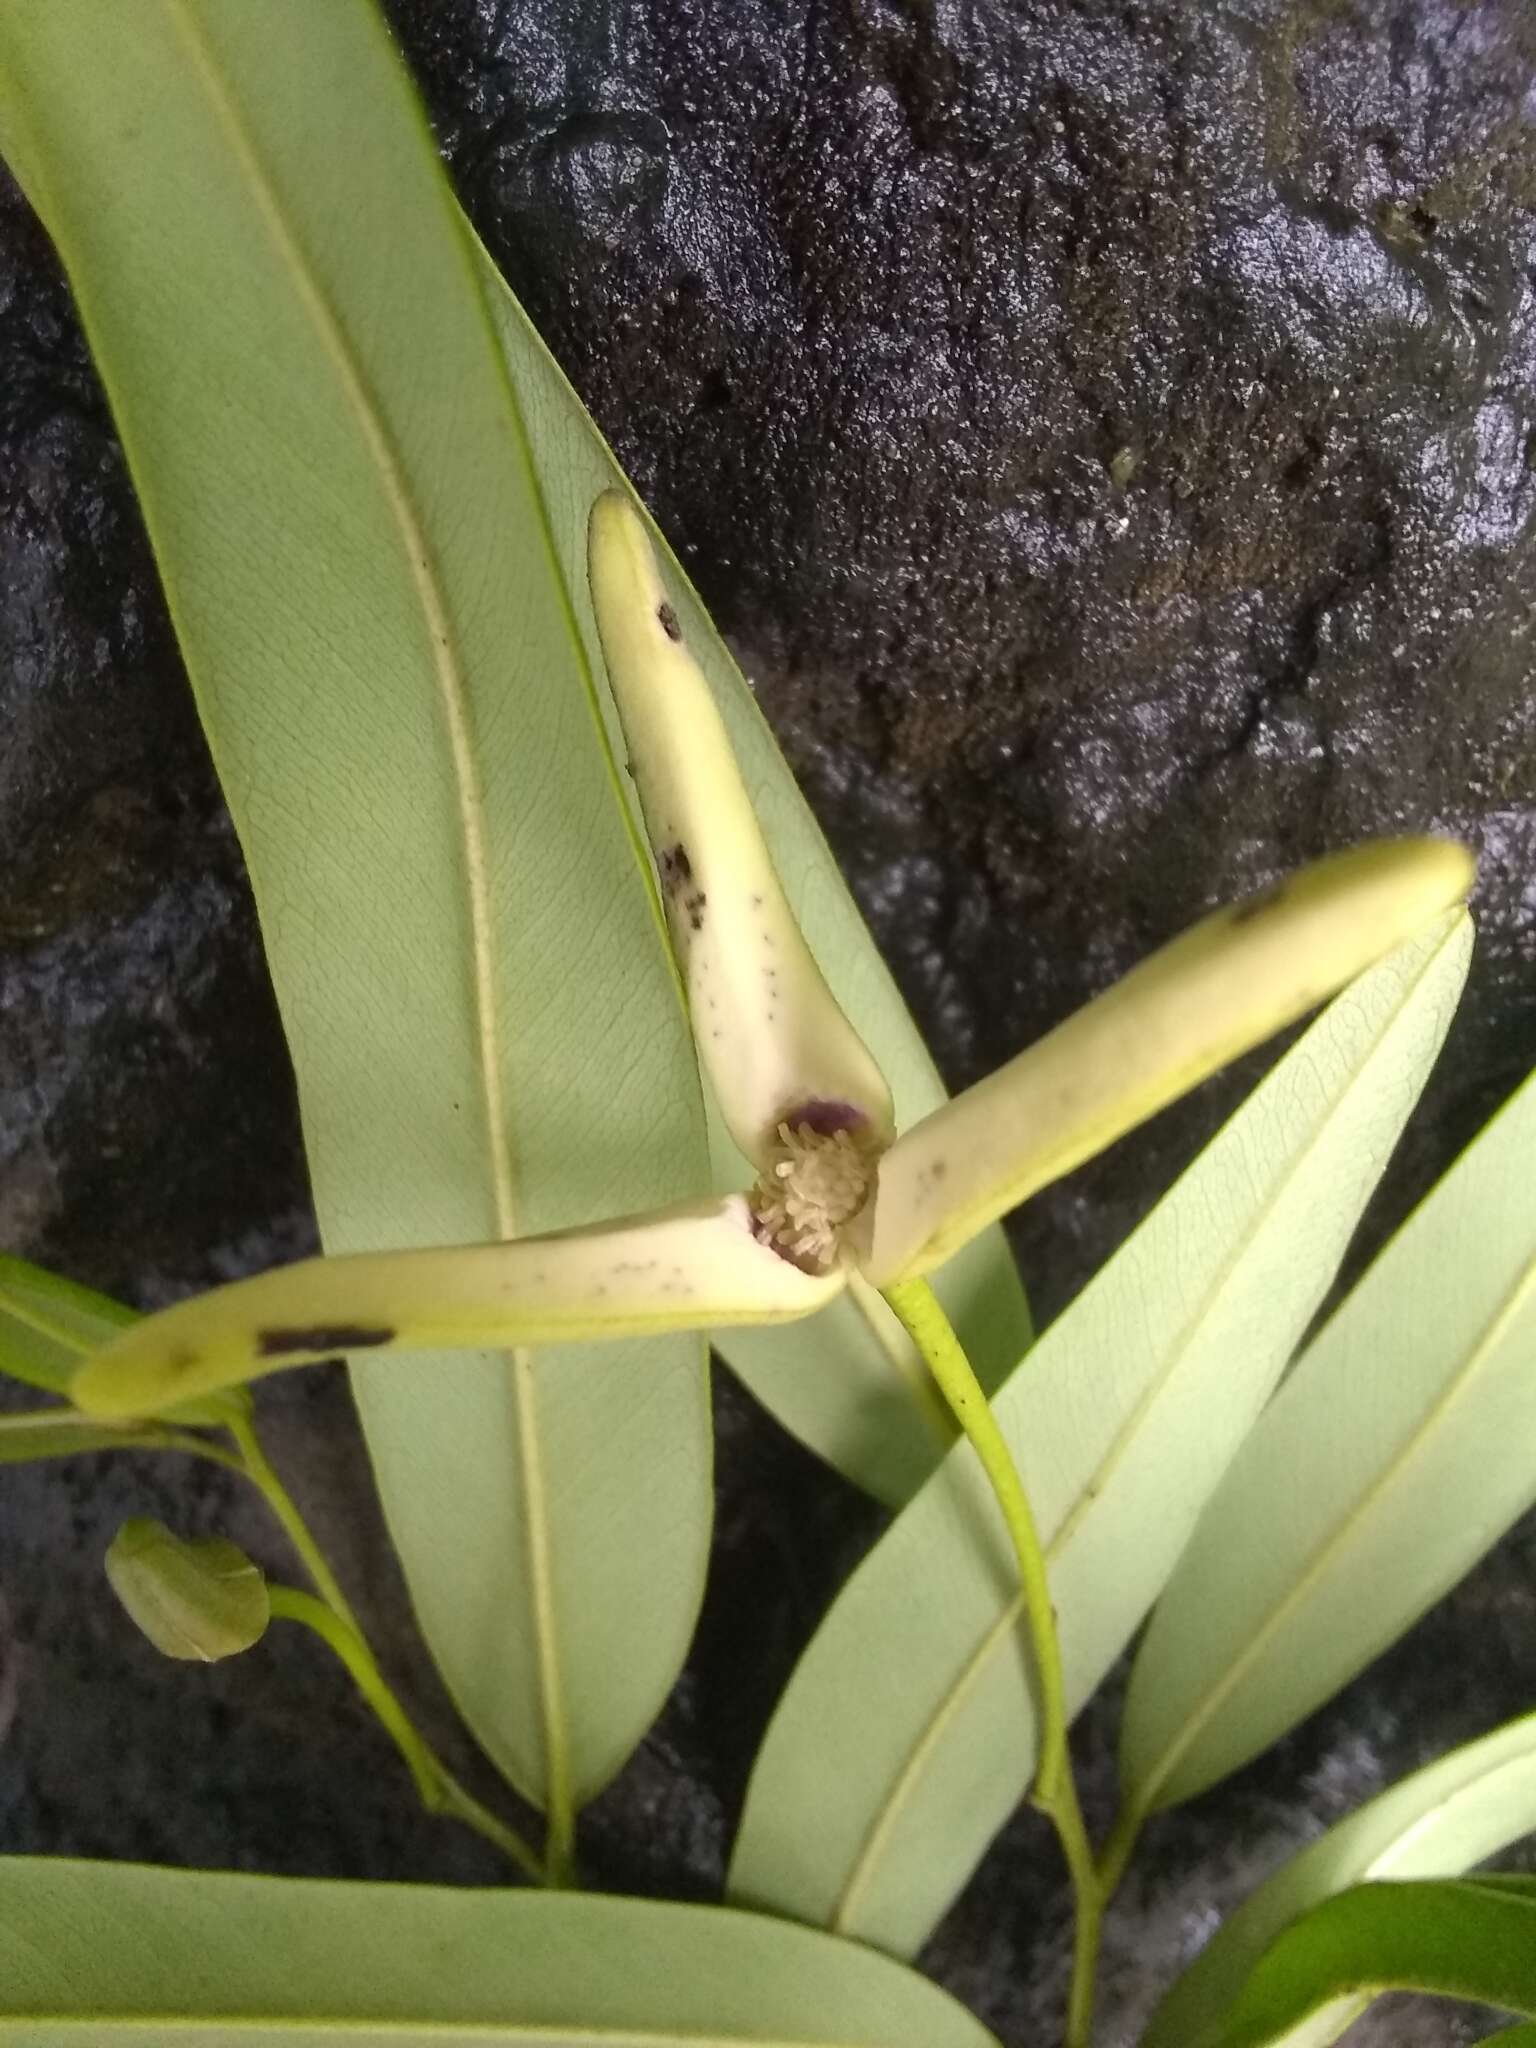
(199, 1600)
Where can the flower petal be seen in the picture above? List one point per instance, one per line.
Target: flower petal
(689, 1268)
(1226, 985)
(770, 1034)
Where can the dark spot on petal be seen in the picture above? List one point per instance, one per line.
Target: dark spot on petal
(282, 1343)
(676, 867)
(669, 624)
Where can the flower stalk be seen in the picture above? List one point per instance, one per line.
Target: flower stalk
(1054, 1792)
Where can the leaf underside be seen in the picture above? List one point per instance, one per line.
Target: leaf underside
(483, 1023)
(1411, 1415)
(131, 1956)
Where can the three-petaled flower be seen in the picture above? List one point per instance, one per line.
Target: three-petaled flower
(838, 1191)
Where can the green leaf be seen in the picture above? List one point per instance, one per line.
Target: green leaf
(848, 1382)
(1454, 1938)
(484, 1025)
(48, 1324)
(1396, 1453)
(1515, 1884)
(1437, 1823)
(65, 1433)
(870, 1805)
(1512, 2037)
(198, 1600)
(113, 1952)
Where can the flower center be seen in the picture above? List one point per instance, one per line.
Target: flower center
(816, 1181)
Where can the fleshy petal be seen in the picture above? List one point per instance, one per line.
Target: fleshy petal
(1227, 984)
(688, 1268)
(769, 1032)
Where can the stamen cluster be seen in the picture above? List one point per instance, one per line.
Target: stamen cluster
(817, 1182)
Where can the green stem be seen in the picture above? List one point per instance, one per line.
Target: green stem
(195, 1446)
(259, 1471)
(1123, 1837)
(1055, 1791)
(439, 1790)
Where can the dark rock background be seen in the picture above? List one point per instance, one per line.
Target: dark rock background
(1108, 432)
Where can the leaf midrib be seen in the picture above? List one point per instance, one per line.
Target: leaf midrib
(447, 2030)
(1382, 1864)
(448, 671)
(1005, 1628)
(1338, 1538)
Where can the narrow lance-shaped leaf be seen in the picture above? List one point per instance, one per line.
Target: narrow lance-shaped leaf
(868, 1808)
(689, 1268)
(59, 1432)
(1232, 981)
(48, 1324)
(1437, 1823)
(484, 1028)
(1412, 1417)
(848, 1382)
(1455, 1938)
(271, 1961)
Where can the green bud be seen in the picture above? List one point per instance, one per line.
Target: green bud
(199, 1601)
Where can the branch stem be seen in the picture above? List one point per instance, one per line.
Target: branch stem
(1055, 1790)
(331, 1618)
(439, 1790)
(258, 1469)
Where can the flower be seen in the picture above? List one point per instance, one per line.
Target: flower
(838, 1190)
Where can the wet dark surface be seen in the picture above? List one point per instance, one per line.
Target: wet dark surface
(1108, 432)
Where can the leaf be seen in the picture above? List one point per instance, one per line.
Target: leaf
(120, 1951)
(198, 1600)
(1394, 1456)
(1437, 1823)
(683, 1268)
(1514, 1884)
(1512, 2037)
(484, 1026)
(1455, 1938)
(848, 1382)
(48, 1324)
(1225, 985)
(869, 1806)
(64, 1433)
